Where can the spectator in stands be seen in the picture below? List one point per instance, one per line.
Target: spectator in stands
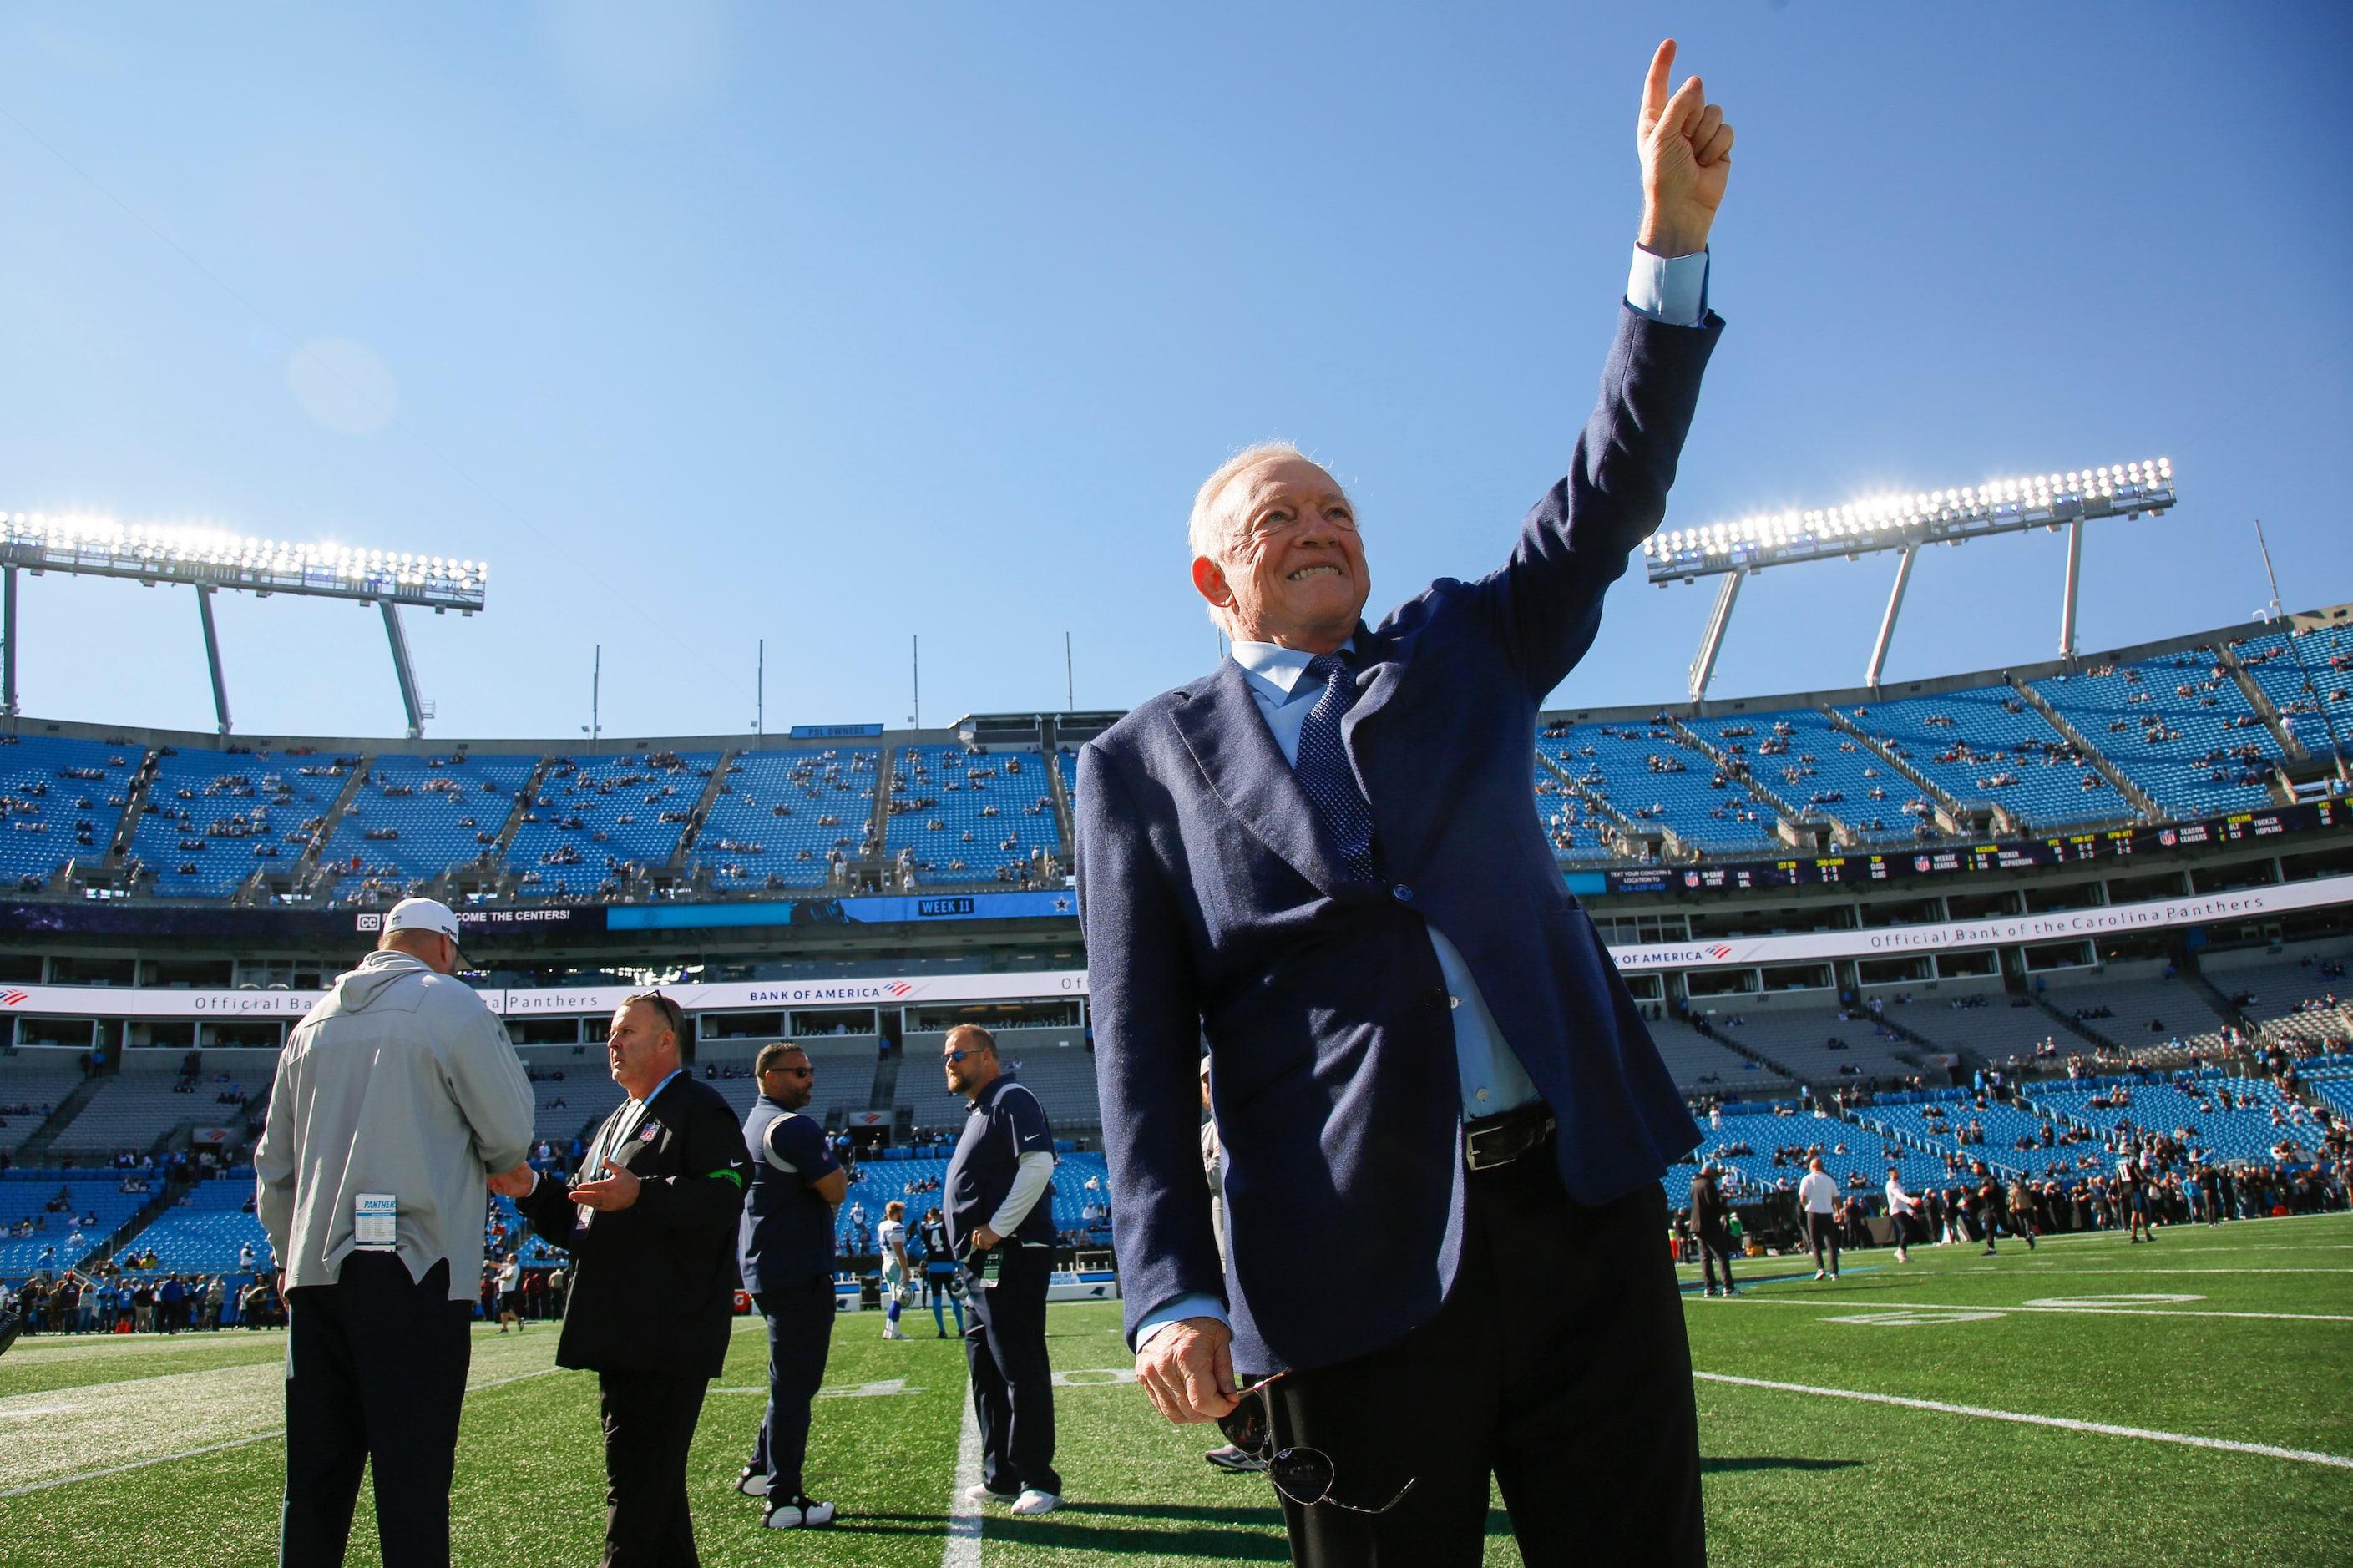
(401, 1089)
(1320, 941)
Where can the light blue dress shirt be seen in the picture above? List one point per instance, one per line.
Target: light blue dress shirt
(1668, 288)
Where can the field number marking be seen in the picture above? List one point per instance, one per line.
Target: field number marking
(1909, 1318)
(1095, 1377)
(2126, 1299)
(2098, 1429)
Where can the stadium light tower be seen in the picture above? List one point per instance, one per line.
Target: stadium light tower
(1903, 524)
(209, 560)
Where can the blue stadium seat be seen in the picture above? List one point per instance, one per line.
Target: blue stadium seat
(2178, 727)
(63, 799)
(213, 818)
(595, 816)
(416, 817)
(781, 814)
(2299, 675)
(1814, 764)
(969, 816)
(1648, 772)
(1987, 745)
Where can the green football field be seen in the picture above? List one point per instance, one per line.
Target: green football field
(2094, 1404)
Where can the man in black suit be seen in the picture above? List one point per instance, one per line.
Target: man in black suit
(651, 1226)
(1443, 1122)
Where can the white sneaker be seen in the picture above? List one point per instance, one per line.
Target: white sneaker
(1035, 1501)
(893, 1331)
(751, 1482)
(982, 1494)
(1818, 1273)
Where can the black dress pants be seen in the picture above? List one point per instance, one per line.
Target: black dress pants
(1822, 1231)
(375, 1370)
(800, 1335)
(1557, 1364)
(649, 1419)
(1715, 1251)
(1012, 1382)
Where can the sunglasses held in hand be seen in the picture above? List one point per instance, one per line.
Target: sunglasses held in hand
(1305, 1476)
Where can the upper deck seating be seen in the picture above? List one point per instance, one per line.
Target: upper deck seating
(1814, 765)
(2178, 727)
(1987, 744)
(595, 816)
(215, 817)
(1651, 774)
(416, 817)
(780, 814)
(63, 800)
(970, 816)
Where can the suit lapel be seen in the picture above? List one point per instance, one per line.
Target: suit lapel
(1219, 725)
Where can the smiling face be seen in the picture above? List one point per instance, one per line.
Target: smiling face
(1291, 569)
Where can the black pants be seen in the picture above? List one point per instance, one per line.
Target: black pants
(800, 1334)
(1557, 1364)
(1012, 1383)
(650, 1420)
(1822, 1230)
(375, 1371)
(1715, 1249)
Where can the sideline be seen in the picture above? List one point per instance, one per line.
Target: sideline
(1754, 1300)
(963, 1514)
(2099, 1428)
(236, 1443)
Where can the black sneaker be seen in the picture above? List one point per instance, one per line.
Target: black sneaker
(751, 1482)
(800, 1513)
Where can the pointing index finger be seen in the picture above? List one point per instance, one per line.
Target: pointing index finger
(1654, 86)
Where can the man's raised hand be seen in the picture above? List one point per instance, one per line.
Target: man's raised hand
(1685, 150)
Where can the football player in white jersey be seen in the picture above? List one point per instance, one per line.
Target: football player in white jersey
(892, 1237)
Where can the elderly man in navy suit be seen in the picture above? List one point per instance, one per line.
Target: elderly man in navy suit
(1443, 1122)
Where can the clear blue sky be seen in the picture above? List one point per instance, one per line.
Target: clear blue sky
(832, 325)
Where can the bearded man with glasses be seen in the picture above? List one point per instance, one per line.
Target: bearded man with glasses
(1443, 1122)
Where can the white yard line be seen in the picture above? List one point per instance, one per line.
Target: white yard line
(2099, 1428)
(209, 1447)
(1861, 1301)
(963, 1514)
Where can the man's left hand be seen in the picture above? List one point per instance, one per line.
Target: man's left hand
(616, 1191)
(1687, 155)
(984, 1238)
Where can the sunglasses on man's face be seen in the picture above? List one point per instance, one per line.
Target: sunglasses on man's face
(1303, 1476)
(957, 1056)
(796, 1072)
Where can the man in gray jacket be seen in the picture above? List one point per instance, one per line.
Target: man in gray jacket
(395, 1096)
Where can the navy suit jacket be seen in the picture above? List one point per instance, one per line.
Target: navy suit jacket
(1214, 905)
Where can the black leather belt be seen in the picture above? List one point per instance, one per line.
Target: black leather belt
(1499, 1140)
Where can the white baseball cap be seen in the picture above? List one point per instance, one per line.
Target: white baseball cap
(423, 914)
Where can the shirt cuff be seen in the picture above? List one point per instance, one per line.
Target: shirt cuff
(1668, 288)
(1176, 1312)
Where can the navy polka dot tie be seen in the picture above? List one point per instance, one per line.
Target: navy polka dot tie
(1322, 767)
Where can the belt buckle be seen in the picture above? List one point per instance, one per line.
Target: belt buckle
(1530, 1131)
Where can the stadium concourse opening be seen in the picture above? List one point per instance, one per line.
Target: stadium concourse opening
(1997, 932)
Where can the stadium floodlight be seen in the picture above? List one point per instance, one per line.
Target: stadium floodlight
(209, 560)
(1904, 523)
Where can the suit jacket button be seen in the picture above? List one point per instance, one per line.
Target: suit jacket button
(1402, 892)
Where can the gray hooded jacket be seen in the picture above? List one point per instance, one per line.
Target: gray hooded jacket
(400, 1081)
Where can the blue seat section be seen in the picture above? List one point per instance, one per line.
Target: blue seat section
(1988, 744)
(2178, 726)
(52, 1245)
(63, 798)
(213, 817)
(780, 813)
(418, 816)
(884, 1181)
(1811, 763)
(1068, 760)
(1574, 832)
(2243, 1131)
(1860, 1167)
(595, 817)
(2003, 1128)
(969, 816)
(1653, 775)
(2301, 674)
(207, 1236)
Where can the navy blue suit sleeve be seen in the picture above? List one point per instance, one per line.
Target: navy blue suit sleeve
(1574, 543)
(801, 1144)
(1147, 1023)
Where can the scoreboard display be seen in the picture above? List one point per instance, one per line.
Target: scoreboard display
(2060, 849)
